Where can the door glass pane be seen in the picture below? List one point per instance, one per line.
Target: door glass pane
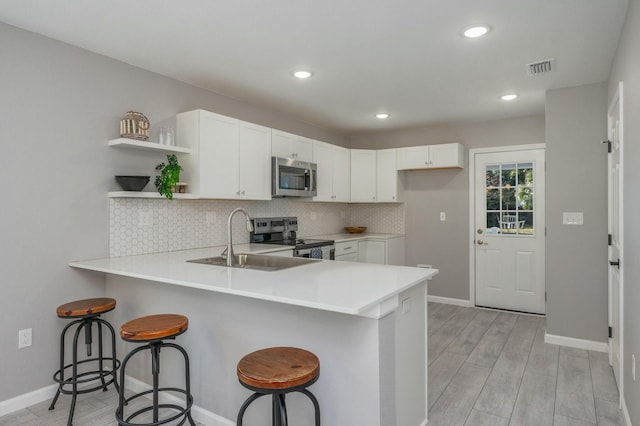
(493, 199)
(509, 199)
(493, 176)
(508, 175)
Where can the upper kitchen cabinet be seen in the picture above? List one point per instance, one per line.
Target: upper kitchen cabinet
(363, 175)
(288, 145)
(374, 176)
(449, 155)
(231, 158)
(388, 184)
(334, 174)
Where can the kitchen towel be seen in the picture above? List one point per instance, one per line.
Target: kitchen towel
(316, 253)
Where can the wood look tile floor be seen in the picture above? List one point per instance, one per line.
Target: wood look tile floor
(493, 368)
(486, 368)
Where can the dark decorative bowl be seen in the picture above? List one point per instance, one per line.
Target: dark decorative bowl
(132, 183)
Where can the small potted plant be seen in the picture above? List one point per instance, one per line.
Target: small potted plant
(169, 176)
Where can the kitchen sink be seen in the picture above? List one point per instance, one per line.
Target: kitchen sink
(257, 261)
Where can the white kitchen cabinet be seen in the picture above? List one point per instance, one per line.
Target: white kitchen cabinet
(388, 185)
(288, 145)
(333, 172)
(347, 251)
(372, 251)
(389, 251)
(449, 155)
(363, 175)
(231, 158)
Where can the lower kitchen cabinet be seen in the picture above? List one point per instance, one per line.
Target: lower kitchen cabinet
(382, 251)
(347, 251)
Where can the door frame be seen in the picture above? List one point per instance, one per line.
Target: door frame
(472, 201)
(617, 98)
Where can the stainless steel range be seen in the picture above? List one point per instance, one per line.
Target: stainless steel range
(283, 230)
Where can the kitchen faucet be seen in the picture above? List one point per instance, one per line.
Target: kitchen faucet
(229, 249)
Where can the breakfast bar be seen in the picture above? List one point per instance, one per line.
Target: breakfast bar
(365, 322)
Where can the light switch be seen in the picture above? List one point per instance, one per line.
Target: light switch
(572, 218)
(443, 216)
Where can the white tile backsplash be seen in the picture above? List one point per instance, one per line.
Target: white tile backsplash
(141, 225)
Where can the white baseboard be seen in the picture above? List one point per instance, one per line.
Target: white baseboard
(449, 301)
(589, 345)
(46, 393)
(27, 399)
(625, 411)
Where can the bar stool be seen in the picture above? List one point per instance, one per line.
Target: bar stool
(85, 313)
(152, 330)
(277, 372)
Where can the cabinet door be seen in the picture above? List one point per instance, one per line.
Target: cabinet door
(363, 175)
(386, 175)
(255, 162)
(351, 257)
(323, 157)
(446, 155)
(341, 174)
(219, 155)
(372, 251)
(288, 145)
(413, 157)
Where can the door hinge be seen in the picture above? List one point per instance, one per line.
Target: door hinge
(608, 142)
(609, 239)
(610, 332)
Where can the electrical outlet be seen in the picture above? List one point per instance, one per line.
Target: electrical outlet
(406, 306)
(633, 367)
(443, 216)
(24, 338)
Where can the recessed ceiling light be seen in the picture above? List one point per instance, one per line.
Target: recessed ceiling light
(302, 74)
(475, 31)
(382, 115)
(509, 96)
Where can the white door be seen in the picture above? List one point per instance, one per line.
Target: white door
(615, 235)
(509, 228)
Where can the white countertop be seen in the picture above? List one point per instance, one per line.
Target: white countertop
(352, 237)
(346, 287)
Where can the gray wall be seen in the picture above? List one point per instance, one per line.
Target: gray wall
(60, 105)
(576, 122)
(445, 245)
(626, 68)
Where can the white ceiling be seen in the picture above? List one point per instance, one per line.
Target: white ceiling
(405, 57)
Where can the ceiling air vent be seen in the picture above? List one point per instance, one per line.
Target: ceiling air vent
(541, 67)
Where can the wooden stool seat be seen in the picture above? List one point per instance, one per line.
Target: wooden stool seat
(154, 327)
(278, 368)
(81, 308)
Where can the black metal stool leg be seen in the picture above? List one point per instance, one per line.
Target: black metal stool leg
(74, 384)
(245, 405)
(316, 405)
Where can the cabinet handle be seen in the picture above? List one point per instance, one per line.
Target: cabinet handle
(242, 192)
(237, 192)
(348, 248)
(426, 163)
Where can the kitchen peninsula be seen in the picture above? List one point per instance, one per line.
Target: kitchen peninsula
(366, 323)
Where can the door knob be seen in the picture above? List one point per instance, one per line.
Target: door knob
(615, 263)
(482, 243)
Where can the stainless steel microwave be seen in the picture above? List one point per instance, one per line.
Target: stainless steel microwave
(293, 178)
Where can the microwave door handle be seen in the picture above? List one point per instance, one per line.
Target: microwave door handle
(307, 179)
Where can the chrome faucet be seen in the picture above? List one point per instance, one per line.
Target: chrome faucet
(229, 249)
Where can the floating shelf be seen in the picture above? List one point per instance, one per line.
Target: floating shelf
(148, 146)
(148, 194)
